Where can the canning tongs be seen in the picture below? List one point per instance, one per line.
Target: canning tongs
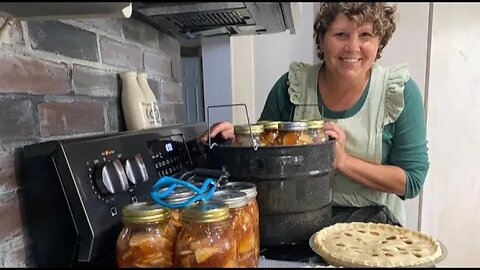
(201, 193)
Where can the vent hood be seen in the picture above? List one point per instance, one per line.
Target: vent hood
(194, 20)
(65, 10)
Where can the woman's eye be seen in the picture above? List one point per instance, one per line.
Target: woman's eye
(341, 34)
(366, 34)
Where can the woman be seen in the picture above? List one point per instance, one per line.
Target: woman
(375, 113)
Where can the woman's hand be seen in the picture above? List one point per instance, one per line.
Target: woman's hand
(331, 129)
(225, 129)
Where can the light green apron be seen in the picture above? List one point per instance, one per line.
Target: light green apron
(363, 131)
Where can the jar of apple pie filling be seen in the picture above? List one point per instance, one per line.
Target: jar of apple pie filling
(206, 239)
(178, 195)
(242, 224)
(270, 132)
(250, 189)
(147, 238)
(316, 132)
(243, 137)
(293, 133)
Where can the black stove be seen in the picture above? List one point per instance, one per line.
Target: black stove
(301, 253)
(75, 189)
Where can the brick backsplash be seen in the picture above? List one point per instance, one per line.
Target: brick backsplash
(19, 74)
(59, 79)
(94, 82)
(63, 39)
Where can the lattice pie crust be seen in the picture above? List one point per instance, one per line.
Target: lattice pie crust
(371, 244)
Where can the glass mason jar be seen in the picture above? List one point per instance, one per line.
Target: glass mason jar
(293, 133)
(206, 239)
(242, 224)
(315, 130)
(178, 195)
(270, 131)
(243, 137)
(252, 206)
(147, 239)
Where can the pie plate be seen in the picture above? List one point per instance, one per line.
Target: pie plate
(332, 261)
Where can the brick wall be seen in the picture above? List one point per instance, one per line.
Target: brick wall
(59, 79)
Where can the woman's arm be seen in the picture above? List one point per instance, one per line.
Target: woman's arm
(408, 156)
(384, 178)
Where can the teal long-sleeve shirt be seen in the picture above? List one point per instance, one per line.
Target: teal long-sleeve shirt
(404, 141)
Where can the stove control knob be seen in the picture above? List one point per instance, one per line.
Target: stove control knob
(111, 178)
(136, 169)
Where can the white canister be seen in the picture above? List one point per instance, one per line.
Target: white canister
(151, 104)
(132, 100)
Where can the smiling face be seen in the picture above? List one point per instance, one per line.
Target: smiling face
(349, 49)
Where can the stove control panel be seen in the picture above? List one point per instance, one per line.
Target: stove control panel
(169, 155)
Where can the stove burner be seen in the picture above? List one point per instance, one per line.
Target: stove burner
(296, 253)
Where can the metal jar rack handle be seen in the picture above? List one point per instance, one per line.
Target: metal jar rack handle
(210, 145)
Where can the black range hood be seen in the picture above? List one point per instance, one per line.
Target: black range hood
(194, 20)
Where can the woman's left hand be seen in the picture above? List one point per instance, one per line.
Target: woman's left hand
(331, 129)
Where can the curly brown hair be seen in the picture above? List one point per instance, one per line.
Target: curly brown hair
(379, 14)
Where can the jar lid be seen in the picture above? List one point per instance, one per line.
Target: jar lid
(144, 212)
(315, 124)
(178, 195)
(233, 198)
(293, 126)
(248, 188)
(244, 129)
(271, 124)
(206, 211)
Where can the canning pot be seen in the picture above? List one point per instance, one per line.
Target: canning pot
(293, 184)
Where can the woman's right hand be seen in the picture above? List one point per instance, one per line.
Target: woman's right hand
(224, 128)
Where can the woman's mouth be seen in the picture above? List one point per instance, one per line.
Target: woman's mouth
(350, 60)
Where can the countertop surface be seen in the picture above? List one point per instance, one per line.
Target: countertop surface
(268, 263)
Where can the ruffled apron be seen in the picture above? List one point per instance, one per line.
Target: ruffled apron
(363, 131)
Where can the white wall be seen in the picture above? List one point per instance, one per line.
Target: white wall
(259, 61)
(410, 37)
(409, 45)
(242, 78)
(217, 77)
(274, 53)
(452, 193)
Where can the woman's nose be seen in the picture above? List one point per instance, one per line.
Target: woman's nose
(352, 44)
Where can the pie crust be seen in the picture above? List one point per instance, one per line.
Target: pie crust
(360, 244)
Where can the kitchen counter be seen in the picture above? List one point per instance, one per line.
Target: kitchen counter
(267, 263)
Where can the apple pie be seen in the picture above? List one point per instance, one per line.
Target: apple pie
(359, 244)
